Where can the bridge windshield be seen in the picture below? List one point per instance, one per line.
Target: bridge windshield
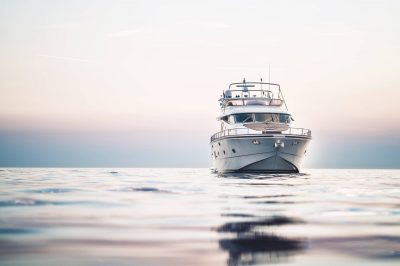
(257, 117)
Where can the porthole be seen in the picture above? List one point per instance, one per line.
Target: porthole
(233, 150)
(224, 151)
(219, 144)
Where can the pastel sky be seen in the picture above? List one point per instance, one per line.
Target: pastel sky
(136, 83)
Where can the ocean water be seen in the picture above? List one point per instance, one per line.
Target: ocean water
(195, 217)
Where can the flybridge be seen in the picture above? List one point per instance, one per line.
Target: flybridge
(252, 93)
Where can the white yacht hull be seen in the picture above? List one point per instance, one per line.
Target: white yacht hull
(259, 153)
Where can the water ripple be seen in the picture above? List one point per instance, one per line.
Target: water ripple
(193, 217)
(51, 190)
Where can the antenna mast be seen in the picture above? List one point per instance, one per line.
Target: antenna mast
(269, 77)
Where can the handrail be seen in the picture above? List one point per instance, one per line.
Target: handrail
(251, 101)
(248, 131)
(253, 82)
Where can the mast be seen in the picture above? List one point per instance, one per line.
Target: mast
(269, 76)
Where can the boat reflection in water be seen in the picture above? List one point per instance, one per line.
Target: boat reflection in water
(253, 241)
(251, 247)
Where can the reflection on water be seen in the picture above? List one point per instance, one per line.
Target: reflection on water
(258, 249)
(253, 243)
(194, 217)
(252, 247)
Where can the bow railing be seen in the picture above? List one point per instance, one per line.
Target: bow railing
(247, 131)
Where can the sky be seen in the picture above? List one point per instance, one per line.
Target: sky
(136, 83)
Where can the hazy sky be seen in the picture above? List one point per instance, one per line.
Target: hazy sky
(136, 83)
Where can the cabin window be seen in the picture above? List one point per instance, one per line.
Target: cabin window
(263, 117)
(243, 118)
(257, 117)
(282, 118)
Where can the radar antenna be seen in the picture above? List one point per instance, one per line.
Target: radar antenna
(269, 76)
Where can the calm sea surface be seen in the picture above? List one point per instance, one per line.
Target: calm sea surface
(194, 217)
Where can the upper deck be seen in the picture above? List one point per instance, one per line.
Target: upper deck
(252, 93)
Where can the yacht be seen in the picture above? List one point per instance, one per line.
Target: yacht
(256, 133)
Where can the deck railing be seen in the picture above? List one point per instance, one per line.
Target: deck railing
(232, 102)
(248, 131)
